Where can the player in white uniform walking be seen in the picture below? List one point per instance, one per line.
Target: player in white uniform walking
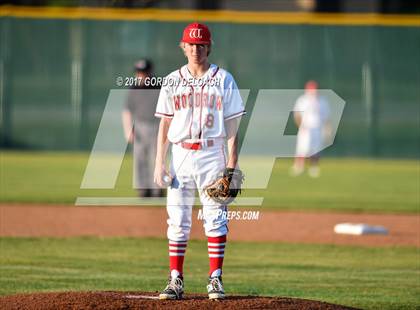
(311, 113)
(200, 108)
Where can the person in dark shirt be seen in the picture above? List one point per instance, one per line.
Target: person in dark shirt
(141, 127)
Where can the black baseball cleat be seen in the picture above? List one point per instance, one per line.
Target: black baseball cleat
(174, 289)
(215, 288)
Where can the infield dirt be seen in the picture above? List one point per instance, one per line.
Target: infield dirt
(274, 226)
(139, 300)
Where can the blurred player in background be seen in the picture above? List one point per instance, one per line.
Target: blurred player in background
(311, 114)
(199, 117)
(140, 109)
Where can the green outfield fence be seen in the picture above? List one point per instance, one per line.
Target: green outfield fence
(58, 65)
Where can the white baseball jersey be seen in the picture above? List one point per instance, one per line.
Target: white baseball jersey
(199, 107)
(314, 111)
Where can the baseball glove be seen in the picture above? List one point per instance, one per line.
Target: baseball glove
(225, 189)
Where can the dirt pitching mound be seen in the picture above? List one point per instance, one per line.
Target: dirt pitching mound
(142, 300)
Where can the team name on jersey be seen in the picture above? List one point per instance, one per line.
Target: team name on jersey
(188, 100)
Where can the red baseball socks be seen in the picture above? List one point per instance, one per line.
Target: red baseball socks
(216, 249)
(176, 257)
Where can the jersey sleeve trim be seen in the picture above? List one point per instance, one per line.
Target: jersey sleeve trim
(235, 115)
(215, 72)
(161, 115)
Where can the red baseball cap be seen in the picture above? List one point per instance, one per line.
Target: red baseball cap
(311, 85)
(196, 33)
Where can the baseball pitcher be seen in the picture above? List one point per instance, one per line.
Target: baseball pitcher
(200, 108)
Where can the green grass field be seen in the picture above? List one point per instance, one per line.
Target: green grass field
(371, 278)
(345, 185)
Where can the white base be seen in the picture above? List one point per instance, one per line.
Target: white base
(359, 229)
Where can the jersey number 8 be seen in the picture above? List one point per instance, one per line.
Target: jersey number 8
(209, 120)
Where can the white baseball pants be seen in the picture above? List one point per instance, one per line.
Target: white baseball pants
(309, 142)
(191, 170)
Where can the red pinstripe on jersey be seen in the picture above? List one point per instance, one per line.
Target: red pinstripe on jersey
(201, 99)
(192, 107)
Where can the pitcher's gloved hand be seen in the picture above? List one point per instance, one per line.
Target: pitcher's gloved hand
(225, 189)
